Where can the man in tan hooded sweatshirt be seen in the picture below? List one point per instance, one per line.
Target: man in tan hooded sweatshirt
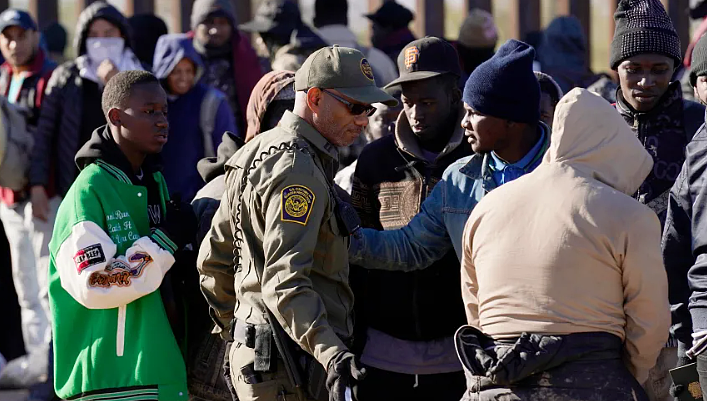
(562, 275)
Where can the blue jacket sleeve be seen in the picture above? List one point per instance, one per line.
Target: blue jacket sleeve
(416, 246)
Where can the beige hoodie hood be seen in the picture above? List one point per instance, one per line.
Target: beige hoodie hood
(589, 135)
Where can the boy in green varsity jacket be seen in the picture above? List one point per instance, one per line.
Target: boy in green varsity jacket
(114, 239)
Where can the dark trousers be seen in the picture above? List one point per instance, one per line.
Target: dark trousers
(386, 386)
(11, 341)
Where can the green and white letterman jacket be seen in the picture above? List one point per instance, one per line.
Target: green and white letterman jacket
(112, 338)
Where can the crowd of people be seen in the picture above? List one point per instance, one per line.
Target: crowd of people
(192, 217)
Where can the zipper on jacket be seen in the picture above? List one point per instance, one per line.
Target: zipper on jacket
(120, 335)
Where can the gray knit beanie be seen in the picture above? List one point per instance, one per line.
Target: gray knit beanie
(643, 26)
(699, 60)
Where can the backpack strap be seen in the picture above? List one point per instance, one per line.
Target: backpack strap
(42, 85)
(207, 118)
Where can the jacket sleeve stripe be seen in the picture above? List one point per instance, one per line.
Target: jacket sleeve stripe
(163, 240)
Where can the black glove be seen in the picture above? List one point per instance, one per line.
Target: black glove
(179, 223)
(343, 371)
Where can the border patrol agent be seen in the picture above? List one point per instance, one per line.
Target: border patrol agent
(275, 259)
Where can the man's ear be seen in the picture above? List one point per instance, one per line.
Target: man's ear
(314, 98)
(114, 117)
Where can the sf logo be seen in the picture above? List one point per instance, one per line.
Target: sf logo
(412, 54)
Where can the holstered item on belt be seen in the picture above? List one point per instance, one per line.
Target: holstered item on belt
(263, 348)
(306, 374)
(288, 351)
(258, 338)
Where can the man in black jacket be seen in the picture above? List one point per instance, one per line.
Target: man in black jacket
(684, 237)
(407, 320)
(645, 52)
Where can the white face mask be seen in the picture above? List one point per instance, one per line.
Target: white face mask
(99, 49)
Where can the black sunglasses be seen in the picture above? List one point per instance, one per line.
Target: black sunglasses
(355, 109)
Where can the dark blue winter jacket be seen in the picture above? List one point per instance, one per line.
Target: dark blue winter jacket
(187, 143)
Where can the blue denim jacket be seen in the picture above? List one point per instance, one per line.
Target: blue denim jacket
(439, 225)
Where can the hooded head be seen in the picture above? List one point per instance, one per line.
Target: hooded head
(170, 50)
(146, 29)
(104, 11)
(331, 12)
(203, 9)
(589, 135)
(272, 95)
(214, 24)
(563, 49)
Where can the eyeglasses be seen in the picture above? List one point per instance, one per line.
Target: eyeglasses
(355, 109)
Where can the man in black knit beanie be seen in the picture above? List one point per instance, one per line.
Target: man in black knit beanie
(645, 52)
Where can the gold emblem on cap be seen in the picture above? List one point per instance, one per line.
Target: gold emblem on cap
(412, 54)
(366, 69)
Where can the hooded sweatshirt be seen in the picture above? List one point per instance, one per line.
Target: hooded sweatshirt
(233, 69)
(580, 255)
(186, 144)
(71, 109)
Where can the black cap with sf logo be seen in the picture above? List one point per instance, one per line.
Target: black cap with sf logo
(426, 58)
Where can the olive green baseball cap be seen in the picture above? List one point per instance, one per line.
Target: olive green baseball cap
(345, 70)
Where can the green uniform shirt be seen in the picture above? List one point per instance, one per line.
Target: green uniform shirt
(290, 235)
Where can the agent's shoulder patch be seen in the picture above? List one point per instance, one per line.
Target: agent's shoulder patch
(297, 202)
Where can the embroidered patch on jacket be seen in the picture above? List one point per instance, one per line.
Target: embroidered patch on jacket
(366, 69)
(412, 54)
(297, 202)
(119, 273)
(89, 256)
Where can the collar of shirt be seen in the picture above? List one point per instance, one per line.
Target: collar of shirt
(504, 172)
(294, 123)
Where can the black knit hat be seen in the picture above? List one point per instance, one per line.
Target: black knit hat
(504, 86)
(643, 26)
(699, 60)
